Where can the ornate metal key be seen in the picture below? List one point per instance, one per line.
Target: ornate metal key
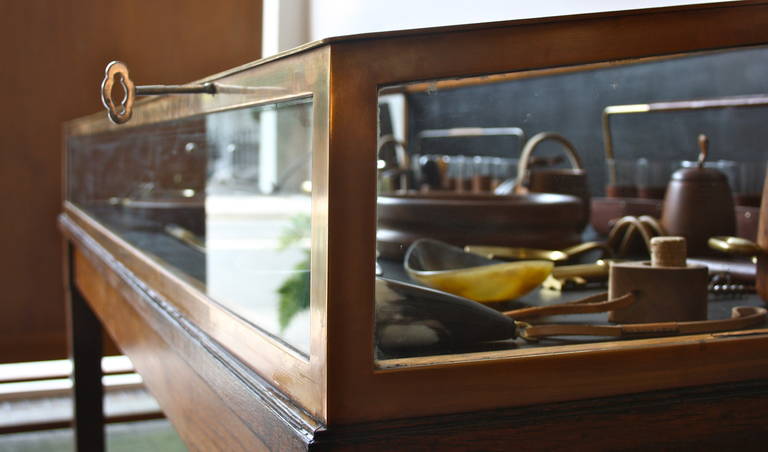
(117, 72)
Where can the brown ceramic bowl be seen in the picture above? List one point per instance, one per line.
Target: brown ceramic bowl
(536, 220)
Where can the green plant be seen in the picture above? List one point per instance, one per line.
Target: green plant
(294, 292)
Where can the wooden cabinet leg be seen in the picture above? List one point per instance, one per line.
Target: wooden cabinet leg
(86, 353)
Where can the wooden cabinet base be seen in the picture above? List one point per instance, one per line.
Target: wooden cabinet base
(217, 403)
(723, 417)
(213, 401)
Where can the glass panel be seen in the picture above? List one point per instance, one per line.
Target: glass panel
(454, 178)
(224, 200)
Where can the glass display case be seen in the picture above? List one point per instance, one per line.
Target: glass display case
(450, 202)
(364, 221)
(194, 195)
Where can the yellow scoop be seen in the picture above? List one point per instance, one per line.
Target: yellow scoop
(450, 269)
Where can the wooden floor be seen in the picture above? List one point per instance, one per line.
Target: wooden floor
(38, 395)
(36, 409)
(147, 436)
(36, 413)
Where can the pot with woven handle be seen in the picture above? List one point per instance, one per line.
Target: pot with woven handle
(566, 181)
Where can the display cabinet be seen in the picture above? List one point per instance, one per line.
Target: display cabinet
(272, 253)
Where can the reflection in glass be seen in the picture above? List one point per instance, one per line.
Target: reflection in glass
(223, 200)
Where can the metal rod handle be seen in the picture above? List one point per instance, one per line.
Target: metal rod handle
(120, 112)
(751, 100)
(153, 90)
(469, 132)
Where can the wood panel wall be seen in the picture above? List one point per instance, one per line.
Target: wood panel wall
(52, 58)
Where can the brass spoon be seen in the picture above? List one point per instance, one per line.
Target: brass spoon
(521, 253)
(734, 245)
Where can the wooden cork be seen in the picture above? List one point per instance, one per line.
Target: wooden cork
(666, 288)
(668, 251)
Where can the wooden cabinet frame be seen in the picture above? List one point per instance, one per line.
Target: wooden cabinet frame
(290, 78)
(506, 378)
(342, 383)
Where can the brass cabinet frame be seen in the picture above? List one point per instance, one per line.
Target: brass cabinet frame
(342, 382)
